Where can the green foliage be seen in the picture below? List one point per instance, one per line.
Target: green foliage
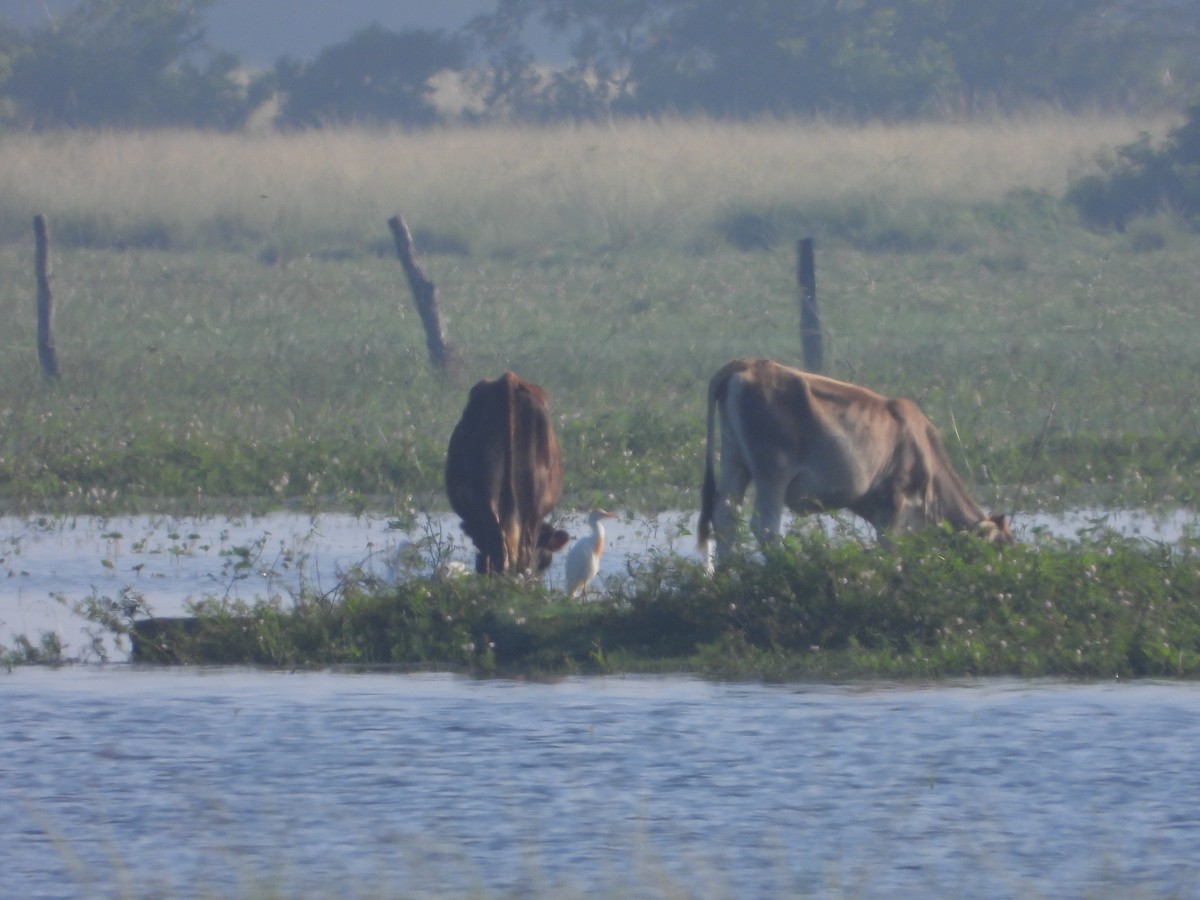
(375, 77)
(48, 651)
(115, 63)
(455, 623)
(120, 63)
(891, 58)
(870, 224)
(933, 605)
(154, 463)
(1142, 179)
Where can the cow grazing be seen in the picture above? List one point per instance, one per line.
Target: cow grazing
(504, 474)
(816, 444)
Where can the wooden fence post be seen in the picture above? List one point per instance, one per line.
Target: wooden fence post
(45, 299)
(424, 294)
(812, 341)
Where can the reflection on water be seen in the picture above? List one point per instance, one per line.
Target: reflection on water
(47, 566)
(127, 782)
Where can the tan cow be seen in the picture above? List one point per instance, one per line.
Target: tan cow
(815, 444)
(504, 475)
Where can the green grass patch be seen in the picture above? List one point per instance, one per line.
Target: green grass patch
(252, 338)
(933, 605)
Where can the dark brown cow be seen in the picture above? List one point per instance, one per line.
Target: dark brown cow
(504, 474)
(815, 444)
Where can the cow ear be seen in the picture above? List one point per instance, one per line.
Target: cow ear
(557, 541)
(1001, 532)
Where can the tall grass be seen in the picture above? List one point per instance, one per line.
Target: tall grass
(232, 323)
(505, 190)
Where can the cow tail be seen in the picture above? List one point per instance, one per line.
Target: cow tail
(708, 493)
(508, 496)
(933, 506)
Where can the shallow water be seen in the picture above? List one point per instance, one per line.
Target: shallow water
(47, 566)
(123, 781)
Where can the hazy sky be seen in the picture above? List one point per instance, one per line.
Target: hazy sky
(261, 31)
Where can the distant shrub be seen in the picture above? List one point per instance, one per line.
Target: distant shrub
(1142, 179)
(1147, 240)
(1009, 260)
(866, 223)
(748, 230)
(444, 242)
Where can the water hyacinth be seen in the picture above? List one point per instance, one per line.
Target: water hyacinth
(933, 605)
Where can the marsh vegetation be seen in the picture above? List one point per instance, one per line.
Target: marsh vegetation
(234, 331)
(933, 605)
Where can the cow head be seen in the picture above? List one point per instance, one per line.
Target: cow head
(995, 530)
(549, 541)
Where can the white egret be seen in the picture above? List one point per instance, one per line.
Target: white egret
(583, 560)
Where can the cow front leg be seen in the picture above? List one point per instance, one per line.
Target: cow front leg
(491, 557)
(515, 547)
(893, 515)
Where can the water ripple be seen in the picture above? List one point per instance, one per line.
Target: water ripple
(120, 782)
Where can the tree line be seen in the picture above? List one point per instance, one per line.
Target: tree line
(147, 63)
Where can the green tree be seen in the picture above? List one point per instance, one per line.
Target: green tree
(124, 63)
(12, 44)
(375, 76)
(740, 59)
(1142, 179)
(857, 57)
(608, 36)
(605, 36)
(507, 79)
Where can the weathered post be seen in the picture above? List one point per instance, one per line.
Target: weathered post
(45, 299)
(424, 294)
(812, 341)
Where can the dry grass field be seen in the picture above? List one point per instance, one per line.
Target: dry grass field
(511, 191)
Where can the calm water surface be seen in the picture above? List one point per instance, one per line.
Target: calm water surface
(122, 781)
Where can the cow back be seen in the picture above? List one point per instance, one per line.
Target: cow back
(504, 470)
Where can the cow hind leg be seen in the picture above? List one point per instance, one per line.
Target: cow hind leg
(735, 479)
(767, 520)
